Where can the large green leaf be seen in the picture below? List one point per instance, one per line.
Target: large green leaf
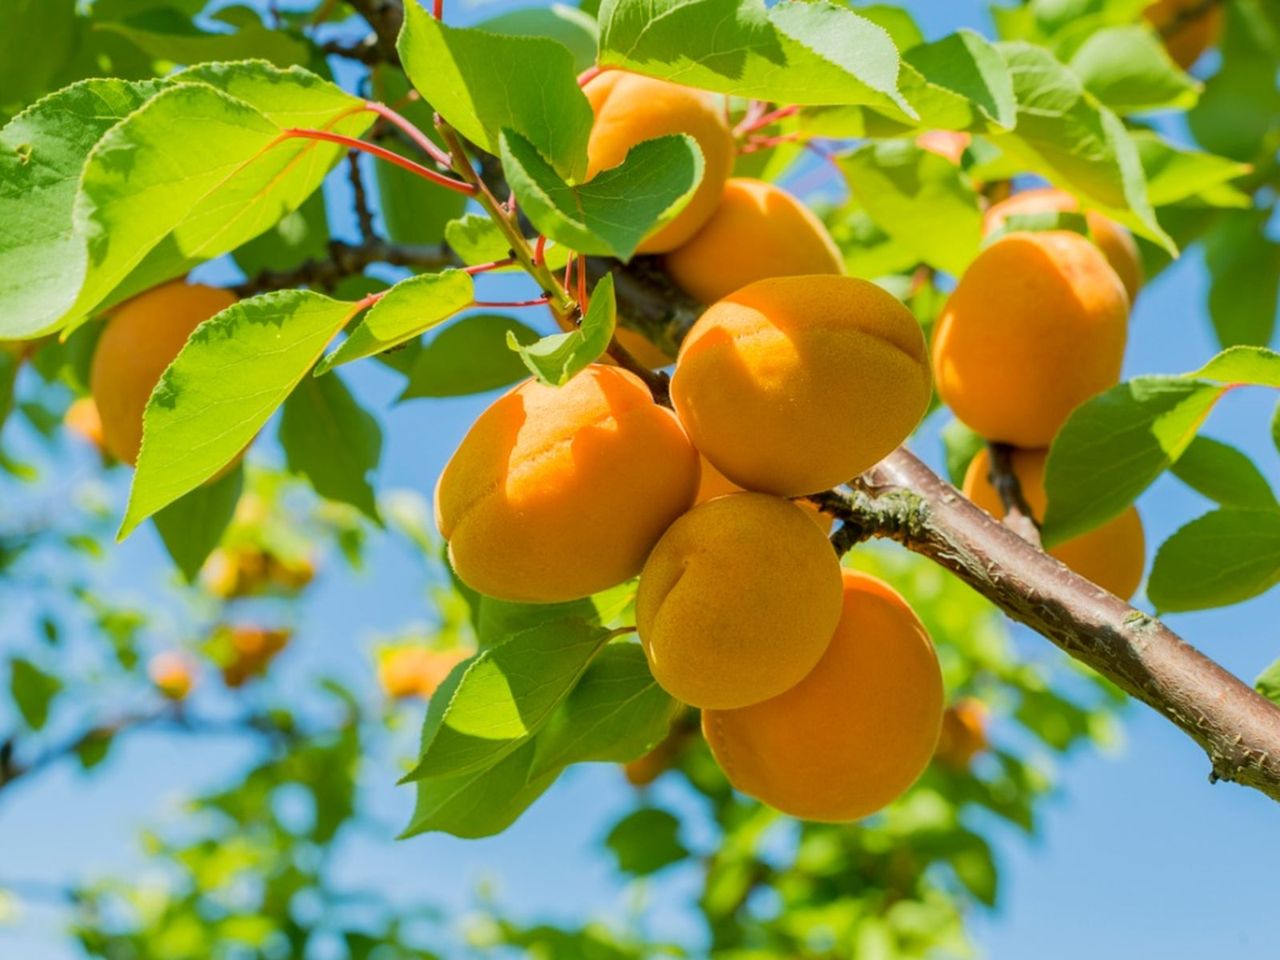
(807, 53)
(470, 356)
(1128, 69)
(1065, 134)
(234, 371)
(611, 213)
(170, 36)
(919, 199)
(566, 25)
(556, 359)
(332, 441)
(42, 152)
(1224, 474)
(483, 83)
(959, 83)
(408, 309)
(1224, 557)
(36, 39)
(192, 526)
(1176, 173)
(1237, 111)
(502, 697)
(1244, 277)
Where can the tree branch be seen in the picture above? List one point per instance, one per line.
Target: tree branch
(346, 260)
(386, 18)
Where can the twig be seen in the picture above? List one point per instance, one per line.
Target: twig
(385, 17)
(365, 51)
(347, 260)
(364, 213)
(1018, 515)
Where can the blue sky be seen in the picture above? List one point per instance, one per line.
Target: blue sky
(1138, 855)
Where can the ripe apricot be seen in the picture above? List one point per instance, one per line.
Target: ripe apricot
(948, 144)
(964, 733)
(630, 108)
(1112, 556)
(1036, 326)
(715, 484)
(1113, 240)
(83, 420)
(855, 733)
(738, 601)
(415, 671)
(757, 231)
(139, 341)
(557, 493)
(794, 384)
(246, 651)
(1187, 27)
(172, 674)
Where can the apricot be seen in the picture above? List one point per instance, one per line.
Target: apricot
(715, 484)
(415, 671)
(1036, 326)
(964, 733)
(855, 733)
(83, 420)
(247, 650)
(792, 385)
(1112, 556)
(738, 601)
(1113, 240)
(557, 493)
(138, 343)
(948, 144)
(630, 108)
(757, 231)
(1187, 27)
(172, 674)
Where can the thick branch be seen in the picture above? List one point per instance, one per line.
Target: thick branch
(385, 17)
(904, 500)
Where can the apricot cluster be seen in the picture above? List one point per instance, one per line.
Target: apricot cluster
(819, 689)
(1036, 326)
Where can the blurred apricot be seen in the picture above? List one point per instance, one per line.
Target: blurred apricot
(630, 108)
(172, 673)
(1113, 240)
(246, 571)
(758, 231)
(964, 733)
(250, 650)
(1036, 326)
(948, 144)
(82, 420)
(415, 671)
(556, 493)
(792, 385)
(139, 341)
(1112, 556)
(1187, 27)
(738, 601)
(856, 732)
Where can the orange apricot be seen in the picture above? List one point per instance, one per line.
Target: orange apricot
(83, 420)
(172, 674)
(1187, 27)
(855, 733)
(792, 385)
(738, 601)
(415, 671)
(715, 484)
(138, 343)
(1112, 556)
(557, 493)
(948, 144)
(964, 733)
(758, 231)
(630, 108)
(1035, 327)
(1113, 240)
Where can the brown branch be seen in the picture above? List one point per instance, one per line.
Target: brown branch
(648, 302)
(346, 260)
(1018, 516)
(385, 17)
(360, 197)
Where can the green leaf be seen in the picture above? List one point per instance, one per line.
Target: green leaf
(224, 385)
(1223, 474)
(1268, 683)
(645, 841)
(9, 364)
(328, 438)
(611, 213)
(1275, 427)
(192, 526)
(1064, 134)
(1244, 278)
(810, 53)
(556, 359)
(616, 713)
(1244, 365)
(26, 70)
(564, 24)
(504, 695)
(476, 239)
(172, 37)
(1222, 558)
(1128, 69)
(497, 620)
(408, 309)
(1176, 173)
(480, 803)
(1236, 113)
(42, 152)
(483, 83)
(960, 83)
(298, 237)
(146, 183)
(33, 691)
(919, 199)
(470, 356)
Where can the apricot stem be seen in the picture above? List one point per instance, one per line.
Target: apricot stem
(381, 153)
(751, 124)
(509, 304)
(1017, 513)
(491, 265)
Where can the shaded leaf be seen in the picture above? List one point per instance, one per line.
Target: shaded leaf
(192, 526)
(645, 841)
(33, 691)
(1224, 474)
(470, 356)
(1128, 69)
(1224, 557)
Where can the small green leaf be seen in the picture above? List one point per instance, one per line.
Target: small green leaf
(1222, 558)
(611, 213)
(1244, 277)
(483, 83)
(645, 841)
(1268, 683)
(408, 309)
(470, 356)
(556, 359)
(496, 620)
(1039, 222)
(1243, 365)
(503, 696)
(234, 371)
(328, 438)
(1128, 69)
(192, 526)
(1175, 173)
(919, 199)
(1223, 474)
(475, 238)
(33, 691)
